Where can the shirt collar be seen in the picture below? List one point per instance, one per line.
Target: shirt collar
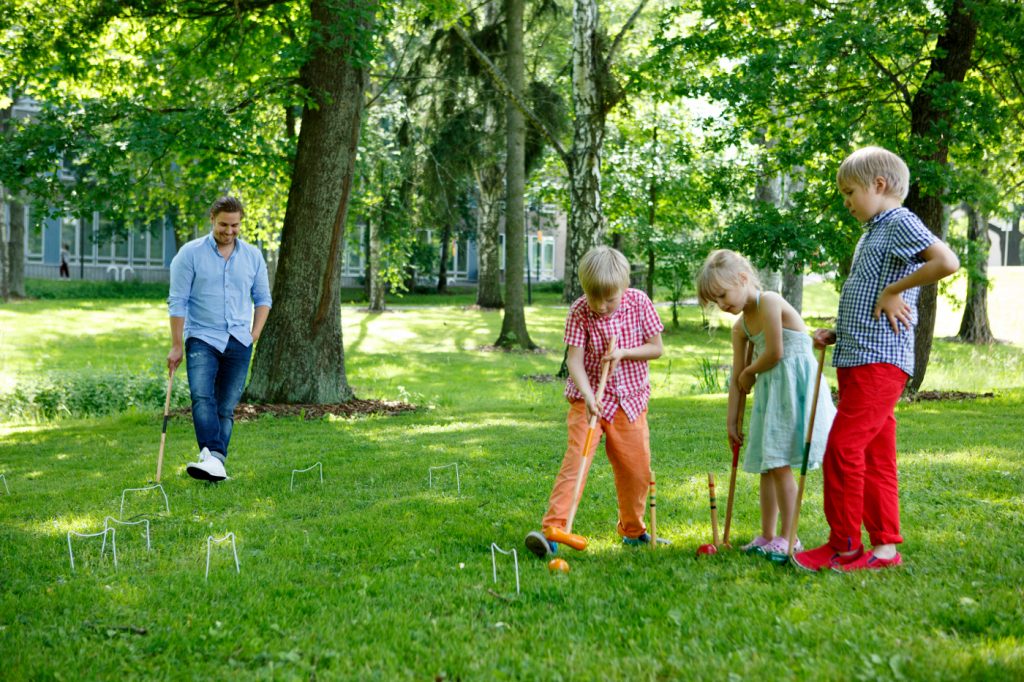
(879, 218)
(213, 245)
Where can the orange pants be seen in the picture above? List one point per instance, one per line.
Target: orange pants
(628, 445)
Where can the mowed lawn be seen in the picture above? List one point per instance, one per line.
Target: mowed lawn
(376, 575)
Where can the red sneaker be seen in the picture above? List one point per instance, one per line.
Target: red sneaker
(868, 562)
(823, 557)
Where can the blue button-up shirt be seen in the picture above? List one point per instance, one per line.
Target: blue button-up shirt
(214, 295)
(889, 250)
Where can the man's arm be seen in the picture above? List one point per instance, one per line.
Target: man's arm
(177, 348)
(259, 318)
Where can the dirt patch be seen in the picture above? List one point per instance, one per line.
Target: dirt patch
(501, 349)
(923, 396)
(540, 378)
(934, 396)
(353, 408)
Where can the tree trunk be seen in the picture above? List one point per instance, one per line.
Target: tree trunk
(442, 269)
(974, 327)
(16, 256)
(586, 222)
(929, 115)
(488, 288)
(5, 270)
(1013, 240)
(375, 283)
(301, 358)
(652, 216)
(513, 324)
(793, 285)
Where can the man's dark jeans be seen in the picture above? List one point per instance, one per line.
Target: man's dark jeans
(216, 380)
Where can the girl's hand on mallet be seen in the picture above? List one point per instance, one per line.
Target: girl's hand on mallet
(823, 337)
(745, 381)
(735, 436)
(593, 406)
(895, 308)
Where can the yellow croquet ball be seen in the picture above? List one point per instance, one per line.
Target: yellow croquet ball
(558, 565)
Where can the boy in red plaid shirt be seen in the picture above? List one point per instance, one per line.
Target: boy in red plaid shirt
(609, 308)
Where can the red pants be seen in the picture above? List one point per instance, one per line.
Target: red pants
(859, 468)
(628, 445)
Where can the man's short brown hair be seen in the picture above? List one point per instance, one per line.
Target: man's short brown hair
(226, 204)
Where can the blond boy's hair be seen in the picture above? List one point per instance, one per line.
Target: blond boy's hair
(721, 270)
(864, 165)
(604, 272)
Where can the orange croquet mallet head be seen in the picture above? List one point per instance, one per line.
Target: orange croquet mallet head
(558, 566)
(577, 542)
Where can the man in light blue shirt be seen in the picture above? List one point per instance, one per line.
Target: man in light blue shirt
(215, 282)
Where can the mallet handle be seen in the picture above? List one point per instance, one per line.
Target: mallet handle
(586, 444)
(654, 514)
(163, 430)
(748, 358)
(714, 509)
(807, 453)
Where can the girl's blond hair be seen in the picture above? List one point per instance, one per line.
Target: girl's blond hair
(603, 272)
(722, 269)
(864, 165)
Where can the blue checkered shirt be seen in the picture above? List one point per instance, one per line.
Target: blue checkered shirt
(888, 251)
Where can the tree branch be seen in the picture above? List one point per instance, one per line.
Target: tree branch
(505, 89)
(907, 97)
(622, 33)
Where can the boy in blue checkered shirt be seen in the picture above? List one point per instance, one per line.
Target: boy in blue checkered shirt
(874, 357)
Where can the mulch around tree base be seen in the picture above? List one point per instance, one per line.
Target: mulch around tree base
(923, 396)
(353, 408)
(930, 396)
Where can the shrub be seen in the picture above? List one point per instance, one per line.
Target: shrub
(87, 395)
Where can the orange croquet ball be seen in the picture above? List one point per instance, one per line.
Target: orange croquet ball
(558, 565)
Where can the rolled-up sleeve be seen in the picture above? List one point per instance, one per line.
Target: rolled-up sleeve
(182, 272)
(261, 283)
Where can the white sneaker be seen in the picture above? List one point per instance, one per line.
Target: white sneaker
(208, 468)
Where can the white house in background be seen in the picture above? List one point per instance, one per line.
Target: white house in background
(143, 252)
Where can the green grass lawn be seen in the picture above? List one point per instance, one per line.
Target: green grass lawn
(374, 575)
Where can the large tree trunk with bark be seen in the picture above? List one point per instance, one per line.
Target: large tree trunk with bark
(301, 358)
(930, 112)
(488, 290)
(586, 221)
(513, 324)
(974, 327)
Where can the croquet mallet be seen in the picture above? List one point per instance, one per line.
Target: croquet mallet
(163, 431)
(713, 547)
(748, 356)
(807, 452)
(654, 516)
(567, 537)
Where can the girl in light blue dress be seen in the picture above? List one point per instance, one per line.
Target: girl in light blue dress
(784, 369)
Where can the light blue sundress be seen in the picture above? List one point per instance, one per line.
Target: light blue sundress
(782, 407)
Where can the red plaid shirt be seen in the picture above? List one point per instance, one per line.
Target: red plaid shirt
(633, 323)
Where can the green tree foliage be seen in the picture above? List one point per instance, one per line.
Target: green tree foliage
(802, 84)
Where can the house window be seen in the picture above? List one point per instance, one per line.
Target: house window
(105, 240)
(33, 235)
(69, 236)
(140, 244)
(156, 242)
